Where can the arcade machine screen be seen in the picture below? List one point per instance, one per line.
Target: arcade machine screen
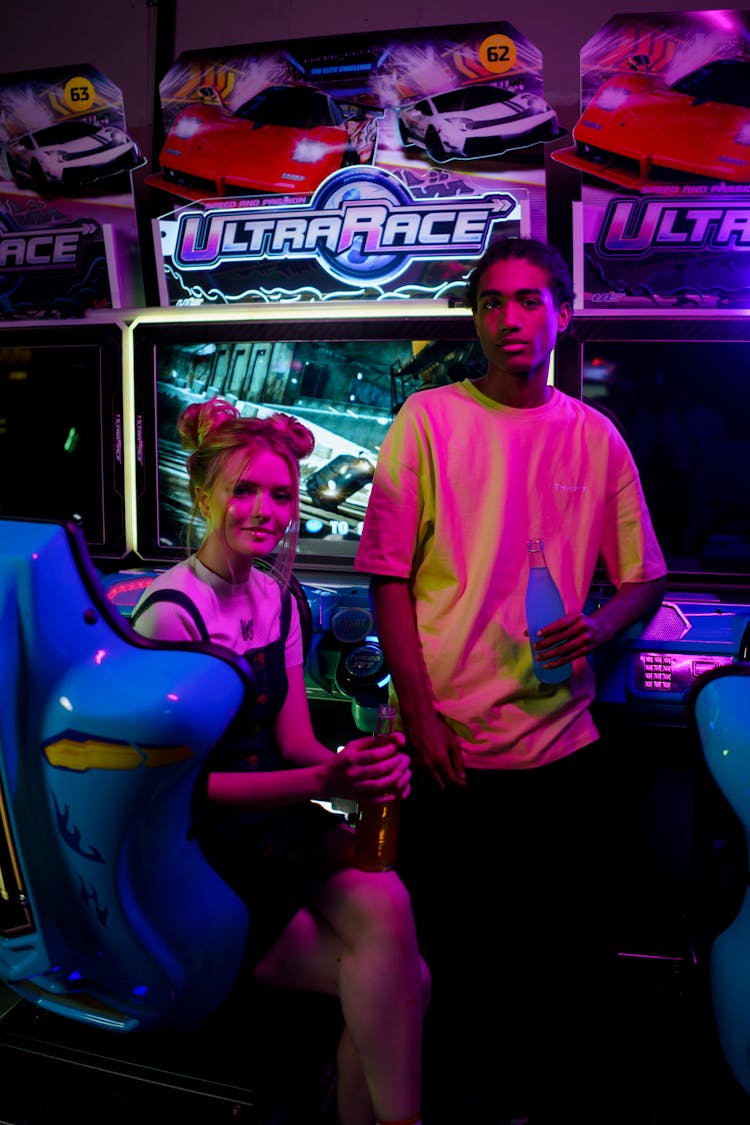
(344, 379)
(678, 388)
(684, 405)
(61, 429)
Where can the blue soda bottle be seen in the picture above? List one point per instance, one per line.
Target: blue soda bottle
(543, 605)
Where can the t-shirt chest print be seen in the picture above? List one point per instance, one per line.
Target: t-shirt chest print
(246, 627)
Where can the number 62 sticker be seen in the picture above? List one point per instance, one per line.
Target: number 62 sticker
(498, 53)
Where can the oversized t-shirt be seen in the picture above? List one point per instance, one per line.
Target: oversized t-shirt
(461, 483)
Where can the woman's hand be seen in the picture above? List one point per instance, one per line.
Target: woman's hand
(367, 768)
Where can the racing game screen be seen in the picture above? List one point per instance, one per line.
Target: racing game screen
(346, 391)
(684, 407)
(61, 443)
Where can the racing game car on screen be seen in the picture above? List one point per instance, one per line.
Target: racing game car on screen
(339, 479)
(70, 155)
(475, 121)
(637, 130)
(286, 138)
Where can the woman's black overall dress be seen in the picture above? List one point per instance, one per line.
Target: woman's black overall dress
(252, 849)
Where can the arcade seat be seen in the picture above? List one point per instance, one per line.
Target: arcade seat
(111, 919)
(109, 912)
(718, 709)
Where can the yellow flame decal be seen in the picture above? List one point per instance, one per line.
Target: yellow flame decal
(91, 754)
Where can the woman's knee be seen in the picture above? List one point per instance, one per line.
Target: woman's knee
(384, 896)
(379, 906)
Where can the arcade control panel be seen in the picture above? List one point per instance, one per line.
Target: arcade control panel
(646, 670)
(649, 668)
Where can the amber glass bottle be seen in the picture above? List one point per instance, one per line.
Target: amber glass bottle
(376, 829)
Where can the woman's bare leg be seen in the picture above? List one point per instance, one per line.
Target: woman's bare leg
(352, 1092)
(381, 985)
(307, 957)
(364, 950)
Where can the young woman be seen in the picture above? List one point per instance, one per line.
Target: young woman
(318, 923)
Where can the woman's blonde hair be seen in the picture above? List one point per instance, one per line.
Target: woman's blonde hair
(213, 431)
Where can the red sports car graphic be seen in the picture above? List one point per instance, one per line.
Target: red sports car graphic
(284, 139)
(637, 130)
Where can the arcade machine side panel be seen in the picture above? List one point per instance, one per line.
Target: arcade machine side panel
(62, 440)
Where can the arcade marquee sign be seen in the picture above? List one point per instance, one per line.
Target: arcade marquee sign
(380, 165)
(374, 166)
(68, 227)
(663, 147)
(362, 230)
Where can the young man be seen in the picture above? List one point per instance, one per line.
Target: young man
(500, 838)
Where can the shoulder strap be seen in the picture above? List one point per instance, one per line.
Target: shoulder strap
(286, 614)
(178, 598)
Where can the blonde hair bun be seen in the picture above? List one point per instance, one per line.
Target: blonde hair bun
(197, 421)
(301, 440)
(200, 422)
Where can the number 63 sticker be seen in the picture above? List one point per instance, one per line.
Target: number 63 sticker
(79, 94)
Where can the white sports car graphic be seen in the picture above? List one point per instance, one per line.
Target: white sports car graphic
(71, 154)
(476, 121)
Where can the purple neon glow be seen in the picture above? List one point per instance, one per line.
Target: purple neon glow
(651, 956)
